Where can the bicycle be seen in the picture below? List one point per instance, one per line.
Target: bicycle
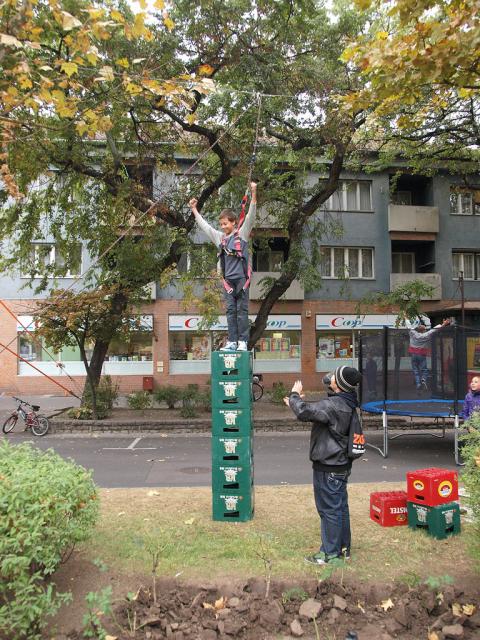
(37, 423)
(257, 387)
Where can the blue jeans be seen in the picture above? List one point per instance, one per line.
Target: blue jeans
(331, 500)
(237, 311)
(419, 368)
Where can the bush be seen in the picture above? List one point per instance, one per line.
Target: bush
(47, 505)
(139, 400)
(278, 392)
(190, 399)
(471, 477)
(168, 394)
(107, 394)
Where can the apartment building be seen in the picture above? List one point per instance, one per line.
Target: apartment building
(394, 230)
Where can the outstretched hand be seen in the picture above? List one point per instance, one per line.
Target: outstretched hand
(253, 186)
(193, 204)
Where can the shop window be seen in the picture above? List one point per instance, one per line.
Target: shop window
(47, 258)
(194, 345)
(468, 263)
(346, 262)
(335, 345)
(136, 346)
(279, 345)
(403, 262)
(29, 347)
(351, 195)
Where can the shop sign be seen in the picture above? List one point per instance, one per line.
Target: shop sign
(274, 323)
(138, 323)
(345, 322)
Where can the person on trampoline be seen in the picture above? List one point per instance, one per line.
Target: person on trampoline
(232, 243)
(331, 463)
(419, 349)
(472, 399)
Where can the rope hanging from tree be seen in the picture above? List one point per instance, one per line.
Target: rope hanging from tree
(251, 164)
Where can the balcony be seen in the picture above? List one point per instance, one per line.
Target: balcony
(294, 292)
(412, 218)
(433, 279)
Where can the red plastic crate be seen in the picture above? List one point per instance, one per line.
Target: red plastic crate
(389, 508)
(432, 486)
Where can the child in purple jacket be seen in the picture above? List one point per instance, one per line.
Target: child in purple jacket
(472, 399)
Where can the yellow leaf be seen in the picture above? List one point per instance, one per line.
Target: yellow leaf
(107, 73)
(25, 82)
(107, 637)
(190, 521)
(168, 22)
(159, 4)
(91, 57)
(153, 493)
(69, 68)
(69, 22)
(143, 4)
(468, 609)
(133, 88)
(117, 16)
(433, 635)
(386, 605)
(191, 118)
(139, 28)
(95, 14)
(82, 127)
(220, 603)
(207, 605)
(457, 609)
(10, 41)
(381, 35)
(205, 70)
(122, 62)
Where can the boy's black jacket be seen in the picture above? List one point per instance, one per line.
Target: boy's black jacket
(331, 425)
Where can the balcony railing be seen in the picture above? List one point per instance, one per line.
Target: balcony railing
(411, 218)
(433, 279)
(294, 292)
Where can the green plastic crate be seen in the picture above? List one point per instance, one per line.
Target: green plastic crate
(231, 393)
(234, 478)
(232, 421)
(232, 365)
(440, 521)
(233, 507)
(235, 450)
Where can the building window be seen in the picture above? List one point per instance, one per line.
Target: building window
(198, 260)
(351, 195)
(269, 254)
(346, 262)
(462, 202)
(469, 263)
(403, 262)
(46, 258)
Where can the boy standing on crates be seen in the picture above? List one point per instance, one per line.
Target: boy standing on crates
(234, 259)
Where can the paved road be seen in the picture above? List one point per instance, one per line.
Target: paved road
(184, 460)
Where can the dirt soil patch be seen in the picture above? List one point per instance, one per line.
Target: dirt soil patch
(216, 611)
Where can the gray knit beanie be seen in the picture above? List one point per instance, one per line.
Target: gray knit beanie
(347, 378)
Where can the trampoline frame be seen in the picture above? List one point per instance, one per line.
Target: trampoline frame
(383, 450)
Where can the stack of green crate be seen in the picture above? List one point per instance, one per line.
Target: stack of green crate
(232, 436)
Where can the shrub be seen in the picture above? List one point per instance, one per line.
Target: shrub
(205, 400)
(190, 399)
(107, 394)
(471, 477)
(278, 392)
(168, 394)
(47, 505)
(139, 400)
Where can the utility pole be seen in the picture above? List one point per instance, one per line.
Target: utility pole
(462, 295)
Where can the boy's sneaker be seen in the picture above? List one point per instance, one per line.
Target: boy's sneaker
(242, 346)
(230, 346)
(318, 559)
(346, 554)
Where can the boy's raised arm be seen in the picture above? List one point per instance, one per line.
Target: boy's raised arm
(211, 233)
(247, 226)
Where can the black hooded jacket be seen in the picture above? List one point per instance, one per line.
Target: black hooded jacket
(331, 425)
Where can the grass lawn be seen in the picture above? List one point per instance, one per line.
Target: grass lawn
(285, 528)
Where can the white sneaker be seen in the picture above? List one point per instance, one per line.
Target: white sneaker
(242, 346)
(230, 346)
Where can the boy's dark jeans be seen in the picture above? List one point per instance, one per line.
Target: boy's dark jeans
(331, 500)
(237, 311)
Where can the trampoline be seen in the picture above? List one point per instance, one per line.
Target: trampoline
(389, 386)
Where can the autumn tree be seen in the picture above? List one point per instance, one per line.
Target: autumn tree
(96, 99)
(421, 64)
